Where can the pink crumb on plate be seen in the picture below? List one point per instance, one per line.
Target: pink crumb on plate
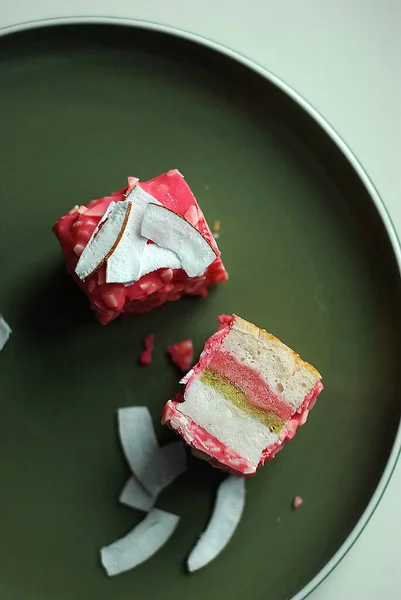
(224, 319)
(182, 354)
(297, 501)
(146, 356)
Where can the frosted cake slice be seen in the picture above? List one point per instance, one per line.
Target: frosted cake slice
(244, 398)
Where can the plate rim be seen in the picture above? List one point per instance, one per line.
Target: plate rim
(335, 137)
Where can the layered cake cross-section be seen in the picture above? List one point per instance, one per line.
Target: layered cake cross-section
(244, 398)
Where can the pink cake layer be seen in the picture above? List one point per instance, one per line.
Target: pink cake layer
(206, 446)
(74, 230)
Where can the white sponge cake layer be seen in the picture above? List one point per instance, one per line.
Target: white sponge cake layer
(229, 424)
(283, 370)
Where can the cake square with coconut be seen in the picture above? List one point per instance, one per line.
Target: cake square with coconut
(244, 398)
(144, 245)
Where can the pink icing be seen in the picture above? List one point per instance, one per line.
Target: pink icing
(173, 192)
(257, 391)
(211, 346)
(165, 285)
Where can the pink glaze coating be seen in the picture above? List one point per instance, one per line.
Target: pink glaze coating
(211, 346)
(164, 285)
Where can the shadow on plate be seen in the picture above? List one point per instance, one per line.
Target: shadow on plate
(55, 308)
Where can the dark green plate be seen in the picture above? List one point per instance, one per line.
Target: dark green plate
(310, 259)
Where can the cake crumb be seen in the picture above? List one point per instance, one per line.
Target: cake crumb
(182, 354)
(297, 502)
(146, 356)
(224, 319)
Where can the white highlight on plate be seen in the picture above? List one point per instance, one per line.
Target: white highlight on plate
(174, 458)
(140, 544)
(226, 515)
(169, 230)
(124, 264)
(104, 238)
(5, 332)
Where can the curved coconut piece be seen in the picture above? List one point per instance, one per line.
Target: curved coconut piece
(140, 544)
(171, 231)
(141, 447)
(104, 239)
(124, 265)
(175, 463)
(5, 332)
(175, 460)
(226, 515)
(154, 257)
(135, 496)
